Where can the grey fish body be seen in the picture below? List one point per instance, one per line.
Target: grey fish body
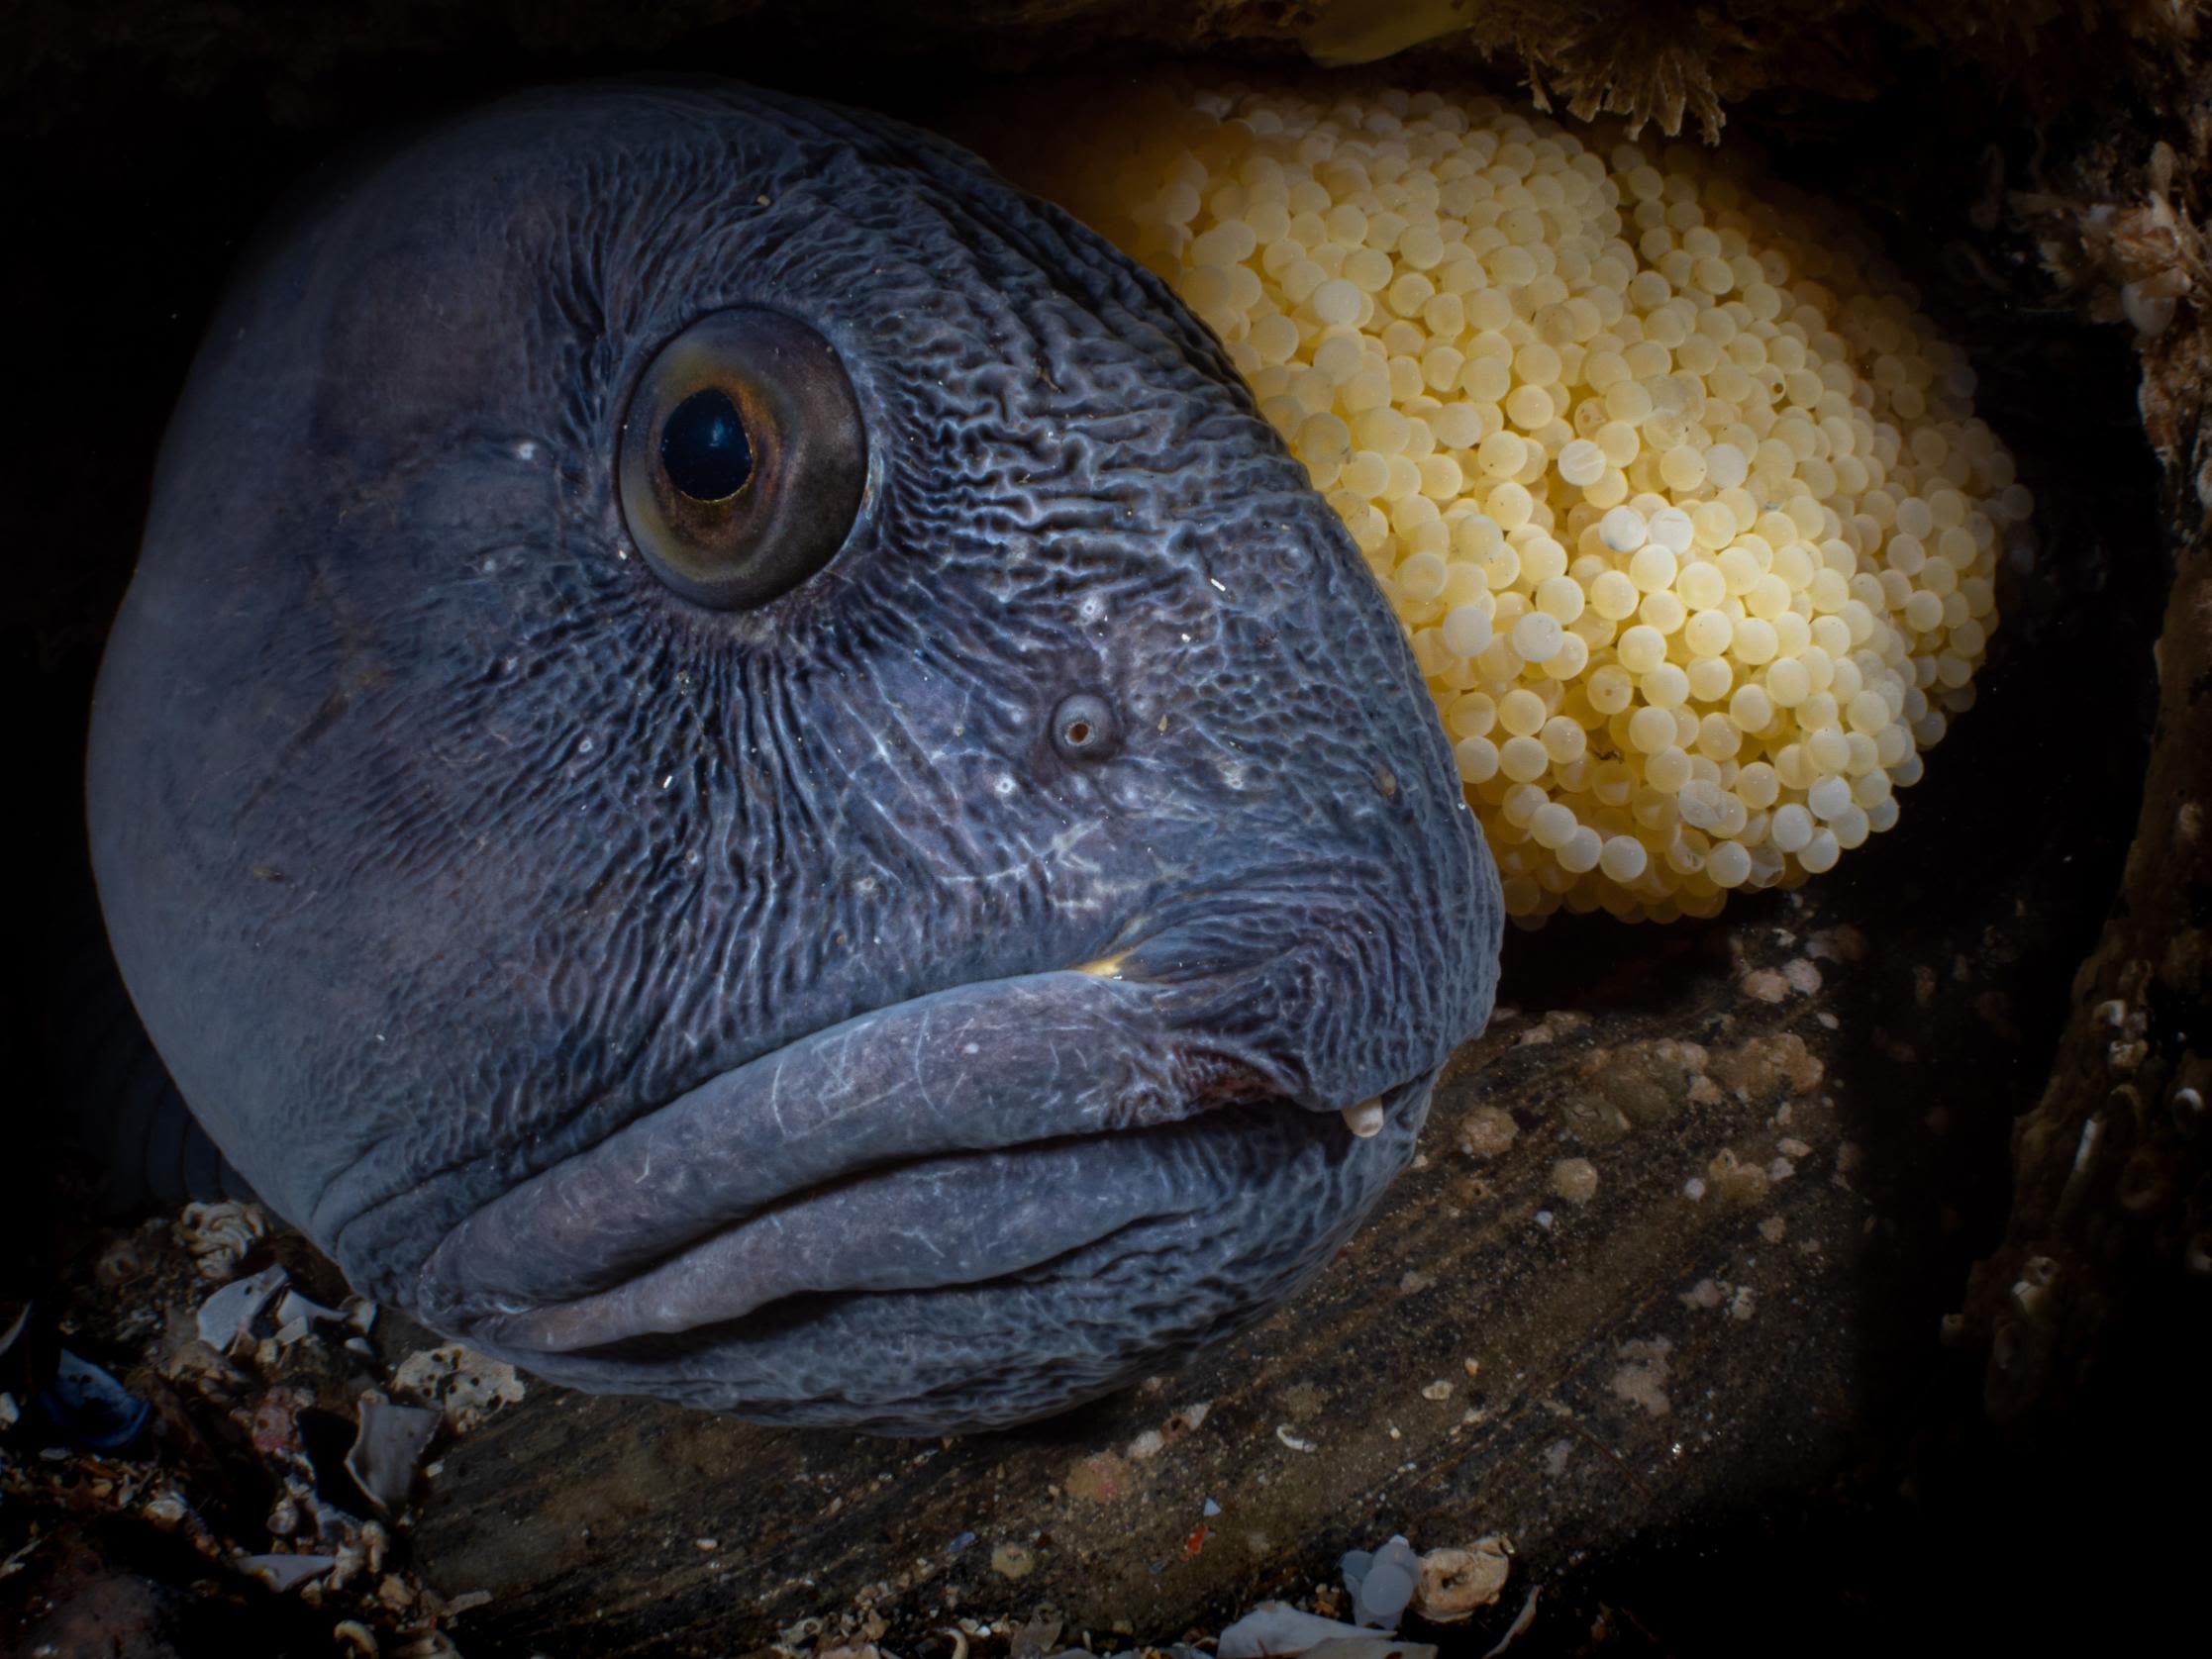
(919, 996)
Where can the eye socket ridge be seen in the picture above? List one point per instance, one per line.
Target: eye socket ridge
(751, 404)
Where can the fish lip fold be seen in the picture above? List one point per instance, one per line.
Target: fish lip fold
(825, 1240)
(1079, 1055)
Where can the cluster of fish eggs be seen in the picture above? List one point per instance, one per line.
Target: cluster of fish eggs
(1683, 506)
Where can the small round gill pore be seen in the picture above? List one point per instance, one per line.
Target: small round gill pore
(1680, 498)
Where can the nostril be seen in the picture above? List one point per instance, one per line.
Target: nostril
(1084, 728)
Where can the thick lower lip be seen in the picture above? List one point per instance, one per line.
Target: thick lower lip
(1010, 1214)
(959, 1136)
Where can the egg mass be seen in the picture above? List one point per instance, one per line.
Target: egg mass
(1679, 496)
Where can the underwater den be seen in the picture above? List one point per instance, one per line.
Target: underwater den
(1368, 829)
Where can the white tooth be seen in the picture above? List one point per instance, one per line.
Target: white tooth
(1366, 1119)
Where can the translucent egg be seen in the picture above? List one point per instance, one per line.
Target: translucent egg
(1581, 462)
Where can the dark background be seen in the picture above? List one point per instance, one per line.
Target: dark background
(143, 145)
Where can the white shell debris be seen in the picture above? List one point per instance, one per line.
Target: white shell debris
(286, 1572)
(1456, 1582)
(1381, 1583)
(220, 1235)
(230, 1312)
(466, 1386)
(1521, 1621)
(295, 1315)
(386, 1447)
(1274, 1629)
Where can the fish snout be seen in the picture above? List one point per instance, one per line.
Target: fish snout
(1339, 981)
(978, 1133)
(1192, 1121)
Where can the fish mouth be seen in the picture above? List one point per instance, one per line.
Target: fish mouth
(975, 1135)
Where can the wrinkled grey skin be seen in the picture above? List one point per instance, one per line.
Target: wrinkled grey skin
(679, 1001)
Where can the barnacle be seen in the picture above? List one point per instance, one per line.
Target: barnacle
(1680, 498)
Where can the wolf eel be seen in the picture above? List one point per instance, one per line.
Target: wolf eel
(737, 770)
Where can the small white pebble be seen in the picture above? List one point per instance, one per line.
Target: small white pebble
(1575, 1179)
(1765, 985)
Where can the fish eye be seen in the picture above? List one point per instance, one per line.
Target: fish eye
(743, 458)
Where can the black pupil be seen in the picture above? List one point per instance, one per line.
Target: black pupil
(704, 446)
